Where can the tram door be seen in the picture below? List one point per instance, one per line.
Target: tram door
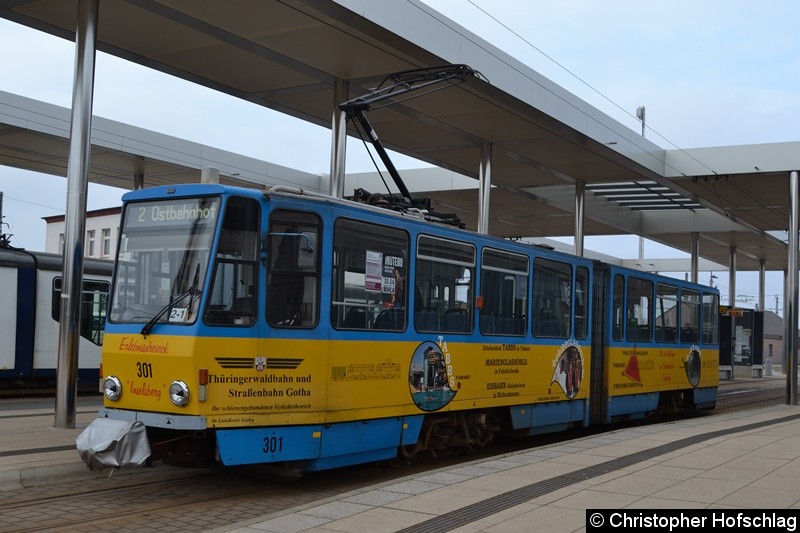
(233, 292)
(293, 277)
(601, 315)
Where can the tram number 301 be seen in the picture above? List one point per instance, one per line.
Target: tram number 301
(144, 370)
(273, 444)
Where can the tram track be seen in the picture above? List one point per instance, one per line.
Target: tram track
(216, 499)
(43, 414)
(201, 499)
(749, 397)
(100, 506)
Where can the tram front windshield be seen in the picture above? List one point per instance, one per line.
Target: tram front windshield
(162, 259)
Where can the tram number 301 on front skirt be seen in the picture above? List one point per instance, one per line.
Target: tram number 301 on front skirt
(273, 444)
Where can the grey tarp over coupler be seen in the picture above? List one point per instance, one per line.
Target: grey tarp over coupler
(113, 443)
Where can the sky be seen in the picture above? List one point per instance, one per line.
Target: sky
(710, 73)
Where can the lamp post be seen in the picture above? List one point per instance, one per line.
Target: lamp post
(640, 116)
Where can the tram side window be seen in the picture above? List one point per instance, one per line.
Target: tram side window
(370, 274)
(581, 302)
(233, 296)
(619, 308)
(666, 313)
(444, 285)
(504, 287)
(94, 300)
(690, 316)
(293, 274)
(710, 318)
(552, 282)
(639, 300)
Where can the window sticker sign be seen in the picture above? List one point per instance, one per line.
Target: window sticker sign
(391, 264)
(374, 271)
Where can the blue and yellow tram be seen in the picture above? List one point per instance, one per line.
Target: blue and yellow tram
(311, 332)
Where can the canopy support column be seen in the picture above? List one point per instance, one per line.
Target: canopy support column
(69, 330)
(695, 256)
(791, 295)
(580, 196)
(732, 277)
(485, 188)
(338, 140)
(209, 175)
(784, 362)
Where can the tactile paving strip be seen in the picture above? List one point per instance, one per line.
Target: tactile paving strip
(466, 515)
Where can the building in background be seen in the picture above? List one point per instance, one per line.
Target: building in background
(773, 337)
(102, 230)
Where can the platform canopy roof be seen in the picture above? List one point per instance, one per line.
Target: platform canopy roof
(290, 54)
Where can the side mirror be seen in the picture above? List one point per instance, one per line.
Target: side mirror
(305, 251)
(306, 255)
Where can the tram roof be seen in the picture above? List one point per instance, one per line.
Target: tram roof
(289, 55)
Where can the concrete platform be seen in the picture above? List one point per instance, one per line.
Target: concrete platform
(757, 466)
(32, 451)
(742, 460)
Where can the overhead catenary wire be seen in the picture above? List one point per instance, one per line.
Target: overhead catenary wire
(60, 210)
(592, 88)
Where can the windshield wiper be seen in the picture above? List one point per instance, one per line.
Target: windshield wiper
(149, 326)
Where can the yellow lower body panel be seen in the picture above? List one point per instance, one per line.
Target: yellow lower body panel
(247, 382)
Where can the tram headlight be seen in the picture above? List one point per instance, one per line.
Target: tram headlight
(179, 393)
(112, 388)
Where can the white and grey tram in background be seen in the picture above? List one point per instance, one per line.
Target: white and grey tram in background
(30, 285)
